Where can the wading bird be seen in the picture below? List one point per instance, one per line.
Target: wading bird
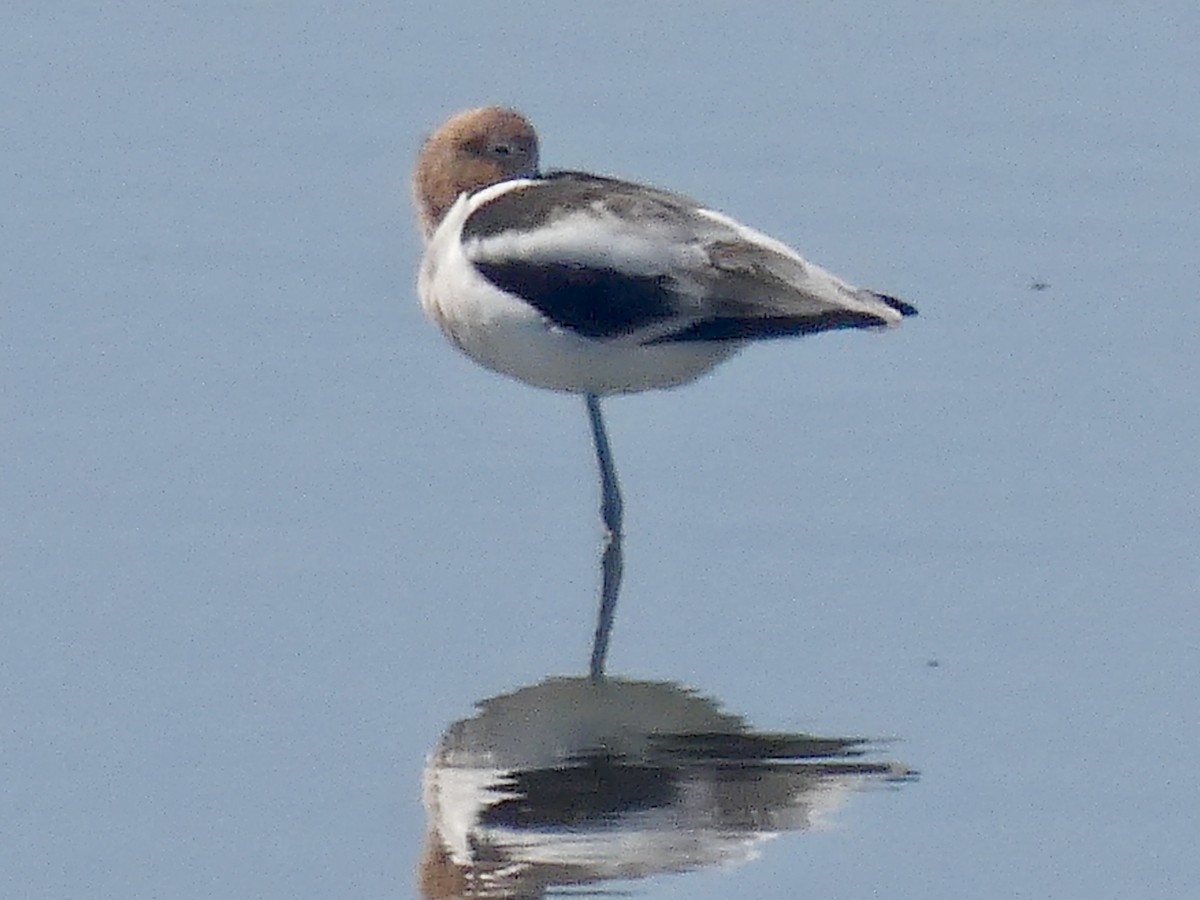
(590, 284)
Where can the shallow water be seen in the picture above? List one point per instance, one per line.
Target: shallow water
(266, 536)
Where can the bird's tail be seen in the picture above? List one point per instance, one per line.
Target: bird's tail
(905, 309)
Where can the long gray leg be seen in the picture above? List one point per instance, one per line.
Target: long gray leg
(611, 560)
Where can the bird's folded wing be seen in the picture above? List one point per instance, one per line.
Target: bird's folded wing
(613, 260)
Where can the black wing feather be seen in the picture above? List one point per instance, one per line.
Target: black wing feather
(595, 302)
(726, 328)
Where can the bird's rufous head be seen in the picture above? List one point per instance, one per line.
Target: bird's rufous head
(469, 151)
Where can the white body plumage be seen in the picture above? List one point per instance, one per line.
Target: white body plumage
(506, 334)
(687, 266)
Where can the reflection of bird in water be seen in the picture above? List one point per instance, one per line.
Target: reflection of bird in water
(597, 286)
(574, 781)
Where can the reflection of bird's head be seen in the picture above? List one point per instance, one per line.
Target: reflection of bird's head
(438, 878)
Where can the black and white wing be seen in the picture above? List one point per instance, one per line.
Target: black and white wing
(614, 260)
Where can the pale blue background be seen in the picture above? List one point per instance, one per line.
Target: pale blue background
(263, 534)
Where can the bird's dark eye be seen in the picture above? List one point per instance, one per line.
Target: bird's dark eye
(501, 149)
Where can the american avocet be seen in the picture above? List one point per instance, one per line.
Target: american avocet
(584, 283)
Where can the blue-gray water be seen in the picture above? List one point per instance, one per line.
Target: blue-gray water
(264, 535)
